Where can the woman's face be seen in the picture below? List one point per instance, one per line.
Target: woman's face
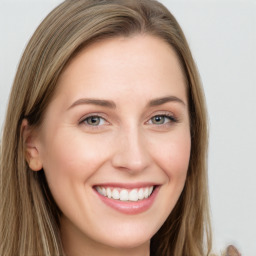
(117, 128)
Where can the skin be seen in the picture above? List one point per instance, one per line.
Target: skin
(126, 145)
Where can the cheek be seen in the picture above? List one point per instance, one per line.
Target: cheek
(173, 156)
(70, 158)
(70, 155)
(175, 161)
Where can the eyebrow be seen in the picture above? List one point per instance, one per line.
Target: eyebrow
(161, 101)
(112, 105)
(98, 102)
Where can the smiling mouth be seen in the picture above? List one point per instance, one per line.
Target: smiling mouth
(125, 195)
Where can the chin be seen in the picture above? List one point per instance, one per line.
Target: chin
(124, 243)
(129, 238)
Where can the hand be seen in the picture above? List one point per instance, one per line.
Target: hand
(232, 251)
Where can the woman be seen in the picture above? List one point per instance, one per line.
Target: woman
(105, 141)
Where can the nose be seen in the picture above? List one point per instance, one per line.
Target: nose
(131, 153)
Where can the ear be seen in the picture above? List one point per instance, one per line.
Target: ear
(30, 141)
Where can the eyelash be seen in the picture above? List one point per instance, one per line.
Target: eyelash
(85, 121)
(169, 116)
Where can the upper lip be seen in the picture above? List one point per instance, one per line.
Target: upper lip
(127, 185)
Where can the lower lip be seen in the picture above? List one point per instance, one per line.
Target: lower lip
(129, 207)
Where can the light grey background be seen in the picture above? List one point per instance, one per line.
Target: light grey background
(222, 36)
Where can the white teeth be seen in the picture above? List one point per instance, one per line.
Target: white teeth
(141, 193)
(150, 190)
(99, 190)
(115, 194)
(146, 194)
(104, 192)
(124, 194)
(109, 194)
(133, 195)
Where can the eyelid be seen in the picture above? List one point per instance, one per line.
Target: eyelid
(100, 115)
(168, 114)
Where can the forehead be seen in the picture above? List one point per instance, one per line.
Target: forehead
(124, 65)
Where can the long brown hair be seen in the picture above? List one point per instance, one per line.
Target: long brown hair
(29, 215)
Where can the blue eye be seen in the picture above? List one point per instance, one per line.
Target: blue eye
(94, 120)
